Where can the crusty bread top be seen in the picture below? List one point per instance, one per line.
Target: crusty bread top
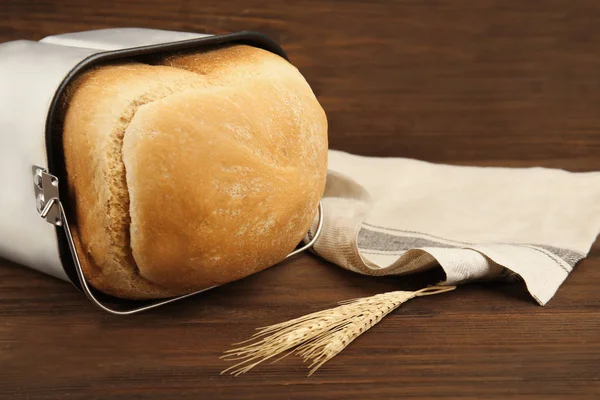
(192, 174)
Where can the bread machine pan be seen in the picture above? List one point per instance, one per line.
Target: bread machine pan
(34, 230)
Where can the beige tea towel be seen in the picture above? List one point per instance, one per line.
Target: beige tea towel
(387, 216)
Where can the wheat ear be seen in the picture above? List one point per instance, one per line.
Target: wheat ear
(320, 336)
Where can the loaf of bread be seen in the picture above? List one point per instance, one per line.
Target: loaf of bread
(195, 172)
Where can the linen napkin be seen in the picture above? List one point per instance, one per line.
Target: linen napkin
(394, 216)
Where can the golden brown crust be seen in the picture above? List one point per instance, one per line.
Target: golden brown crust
(185, 179)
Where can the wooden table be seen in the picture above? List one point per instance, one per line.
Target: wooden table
(507, 83)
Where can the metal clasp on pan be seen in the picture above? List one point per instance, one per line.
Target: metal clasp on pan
(50, 208)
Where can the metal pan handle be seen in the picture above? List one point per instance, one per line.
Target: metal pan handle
(51, 209)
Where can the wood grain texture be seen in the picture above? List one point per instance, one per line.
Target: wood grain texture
(506, 82)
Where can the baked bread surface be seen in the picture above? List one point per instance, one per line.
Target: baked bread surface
(193, 173)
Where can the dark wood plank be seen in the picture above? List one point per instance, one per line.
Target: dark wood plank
(504, 82)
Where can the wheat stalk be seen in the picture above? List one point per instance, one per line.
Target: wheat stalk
(320, 336)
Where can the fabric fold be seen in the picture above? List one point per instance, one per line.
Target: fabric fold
(395, 216)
